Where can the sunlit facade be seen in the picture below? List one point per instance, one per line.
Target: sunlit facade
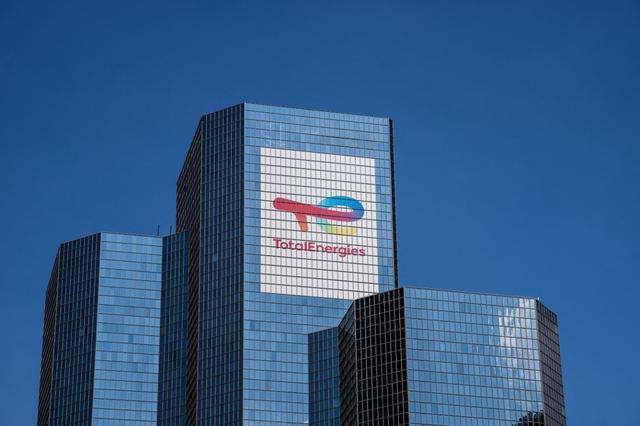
(102, 331)
(277, 301)
(476, 359)
(260, 193)
(416, 356)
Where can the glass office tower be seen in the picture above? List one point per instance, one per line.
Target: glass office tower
(290, 215)
(101, 334)
(480, 359)
(436, 357)
(277, 302)
(172, 386)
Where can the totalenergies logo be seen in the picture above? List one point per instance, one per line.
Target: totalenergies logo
(323, 213)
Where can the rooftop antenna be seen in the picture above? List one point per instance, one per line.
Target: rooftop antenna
(170, 229)
(158, 231)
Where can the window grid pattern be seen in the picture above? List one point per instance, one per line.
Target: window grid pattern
(315, 262)
(75, 335)
(128, 331)
(380, 389)
(220, 301)
(551, 369)
(188, 212)
(324, 378)
(172, 386)
(276, 325)
(48, 338)
(348, 368)
(472, 359)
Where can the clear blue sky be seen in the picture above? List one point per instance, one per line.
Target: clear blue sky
(517, 147)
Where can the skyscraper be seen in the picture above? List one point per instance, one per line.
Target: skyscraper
(438, 357)
(290, 214)
(277, 301)
(101, 335)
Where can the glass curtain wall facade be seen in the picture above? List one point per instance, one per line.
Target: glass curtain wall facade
(188, 213)
(104, 299)
(68, 355)
(464, 358)
(290, 214)
(277, 302)
(324, 378)
(473, 359)
(48, 336)
(220, 304)
(172, 386)
(128, 330)
(373, 358)
(303, 263)
(550, 366)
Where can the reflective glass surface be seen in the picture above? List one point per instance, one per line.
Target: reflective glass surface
(324, 378)
(172, 386)
(297, 286)
(128, 331)
(472, 359)
(74, 291)
(436, 357)
(373, 362)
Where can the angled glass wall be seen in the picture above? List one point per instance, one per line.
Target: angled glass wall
(71, 310)
(100, 366)
(324, 378)
(172, 386)
(437, 357)
(264, 276)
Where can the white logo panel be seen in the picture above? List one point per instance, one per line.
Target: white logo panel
(318, 232)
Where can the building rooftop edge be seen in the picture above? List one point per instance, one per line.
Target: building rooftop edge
(134, 234)
(483, 293)
(328, 111)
